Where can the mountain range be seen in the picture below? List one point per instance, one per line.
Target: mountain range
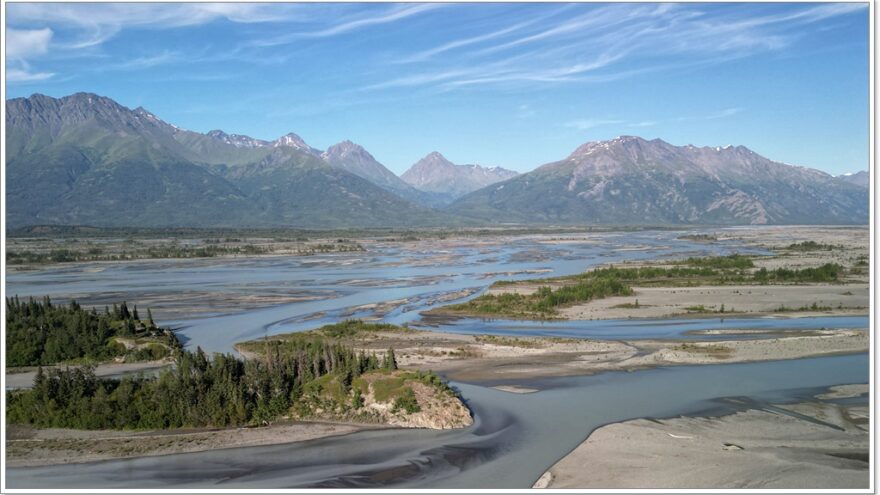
(632, 180)
(86, 160)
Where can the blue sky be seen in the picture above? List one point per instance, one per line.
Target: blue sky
(515, 85)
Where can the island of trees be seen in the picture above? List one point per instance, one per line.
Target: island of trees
(307, 376)
(40, 333)
(198, 391)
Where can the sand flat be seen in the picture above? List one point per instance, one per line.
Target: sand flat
(485, 357)
(754, 449)
(663, 302)
(29, 447)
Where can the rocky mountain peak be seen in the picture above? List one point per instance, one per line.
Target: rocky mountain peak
(632, 180)
(861, 178)
(436, 174)
(292, 140)
(345, 148)
(237, 140)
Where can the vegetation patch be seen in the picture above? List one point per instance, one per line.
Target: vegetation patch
(544, 302)
(632, 305)
(713, 350)
(829, 272)
(812, 246)
(698, 237)
(508, 341)
(304, 375)
(40, 333)
(615, 281)
(732, 261)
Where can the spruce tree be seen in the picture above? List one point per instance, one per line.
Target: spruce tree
(390, 361)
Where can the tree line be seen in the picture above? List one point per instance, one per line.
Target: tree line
(197, 392)
(43, 333)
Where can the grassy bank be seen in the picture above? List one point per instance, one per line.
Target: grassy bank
(560, 292)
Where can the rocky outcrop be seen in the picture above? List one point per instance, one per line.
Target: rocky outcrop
(399, 398)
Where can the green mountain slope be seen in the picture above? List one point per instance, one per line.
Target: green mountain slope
(86, 160)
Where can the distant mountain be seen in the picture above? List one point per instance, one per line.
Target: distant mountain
(630, 180)
(862, 178)
(85, 159)
(291, 140)
(353, 158)
(435, 174)
(237, 140)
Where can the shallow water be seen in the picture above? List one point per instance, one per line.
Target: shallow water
(514, 440)
(387, 272)
(649, 329)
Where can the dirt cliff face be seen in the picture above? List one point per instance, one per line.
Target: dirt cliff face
(398, 398)
(438, 410)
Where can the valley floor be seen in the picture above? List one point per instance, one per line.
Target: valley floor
(748, 449)
(693, 296)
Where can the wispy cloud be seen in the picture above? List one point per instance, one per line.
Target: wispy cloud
(608, 43)
(394, 14)
(350, 23)
(426, 54)
(527, 46)
(88, 25)
(26, 43)
(23, 75)
(727, 112)
(525, 111)
(585, 124)
(720, 114)
(481, 38)
(148, 61)
(158, 15)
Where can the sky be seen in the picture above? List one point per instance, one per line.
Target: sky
(511, 85)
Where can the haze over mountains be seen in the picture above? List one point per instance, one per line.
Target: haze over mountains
(86, 160)
(434, 173)
(861, 178)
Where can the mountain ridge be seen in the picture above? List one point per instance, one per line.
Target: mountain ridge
(435, 174)
(633, 180)
(86, 160)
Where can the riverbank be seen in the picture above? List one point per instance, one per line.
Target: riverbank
(806, 445)
(489, 357)
(43, 447)
(813, 271)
